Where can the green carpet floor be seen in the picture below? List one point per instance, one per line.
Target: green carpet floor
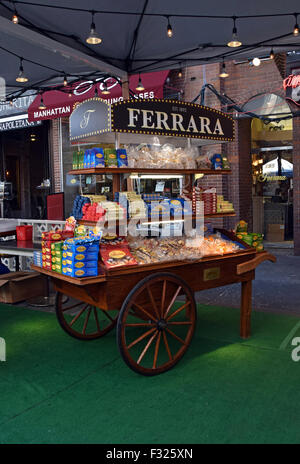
(55, 389)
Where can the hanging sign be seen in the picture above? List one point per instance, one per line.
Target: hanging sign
(291, 85)
(90, 117)
(171, 118)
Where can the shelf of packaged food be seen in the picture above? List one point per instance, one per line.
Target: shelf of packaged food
(212, 215)
(148, 171)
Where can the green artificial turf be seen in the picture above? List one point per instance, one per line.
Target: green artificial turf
(56, 389)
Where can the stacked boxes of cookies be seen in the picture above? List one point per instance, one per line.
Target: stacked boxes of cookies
(56, 253)
(48, 238)
(80, 257)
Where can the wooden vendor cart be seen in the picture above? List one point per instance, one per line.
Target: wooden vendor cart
(153, 305)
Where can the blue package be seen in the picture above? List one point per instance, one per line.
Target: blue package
(86, 159)
(99, 157)
(92, 158)
(122, 158)
(216, 161)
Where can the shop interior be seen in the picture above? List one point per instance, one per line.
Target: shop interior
(25, 173)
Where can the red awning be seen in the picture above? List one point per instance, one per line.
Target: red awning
(59, 104)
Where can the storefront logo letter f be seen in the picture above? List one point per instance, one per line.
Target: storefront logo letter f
(2, 349)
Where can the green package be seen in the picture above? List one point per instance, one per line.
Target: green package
(110, 156)
(75, 159)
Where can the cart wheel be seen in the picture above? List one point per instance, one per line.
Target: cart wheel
(82, 320)
(154, 331)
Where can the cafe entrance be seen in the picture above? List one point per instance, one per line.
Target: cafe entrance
(272, 168)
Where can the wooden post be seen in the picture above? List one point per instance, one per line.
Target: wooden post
(246, 307)
(125, 88)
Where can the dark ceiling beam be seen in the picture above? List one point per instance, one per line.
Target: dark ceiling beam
(131, 53)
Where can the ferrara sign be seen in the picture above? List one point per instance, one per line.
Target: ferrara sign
(154, 117)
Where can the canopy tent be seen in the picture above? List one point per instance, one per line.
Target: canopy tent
(134, 36)
(272, 168)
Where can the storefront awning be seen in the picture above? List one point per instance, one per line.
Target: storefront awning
(60, 104)
(19, 121)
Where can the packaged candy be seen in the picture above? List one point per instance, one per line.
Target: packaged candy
(87, 159)
(115, 256)
(99, 157)
(216, 161)
(110, 156)
(122, 158)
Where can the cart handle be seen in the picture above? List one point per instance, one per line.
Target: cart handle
(253, 263)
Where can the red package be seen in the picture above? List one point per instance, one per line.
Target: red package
(116, 256)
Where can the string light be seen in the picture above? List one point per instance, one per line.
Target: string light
(15, 17)
(223, 73)
(42, 105)
(256, 61)
(140, 86)
(296, 27)
(93, 37)
(234, 42)
(180, 73)
(169, 29)
(105, 90)
(65, 81)
(272, 54)
(21, 76)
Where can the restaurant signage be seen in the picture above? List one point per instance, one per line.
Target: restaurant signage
(61, 103)
(171, 118)
(291, 85)
(16, 122)
(90, 117)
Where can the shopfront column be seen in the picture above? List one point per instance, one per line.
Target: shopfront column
(240, 182)
(296, 184)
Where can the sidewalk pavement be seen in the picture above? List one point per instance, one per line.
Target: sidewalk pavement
(276, 287)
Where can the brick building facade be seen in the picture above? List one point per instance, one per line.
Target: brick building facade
(243, 83)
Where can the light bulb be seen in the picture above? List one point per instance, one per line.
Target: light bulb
(223, 73)
(180, 73)
(169, 29)
(296, 27)
(21, 76)
(105, 90)
(15, 18)
(256, 61)
(65, 81)
(140, 86)
(93, 37)
(42, 105)
(272, 55)
(234, 42)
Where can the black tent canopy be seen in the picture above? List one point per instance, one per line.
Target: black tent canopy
(134, 36)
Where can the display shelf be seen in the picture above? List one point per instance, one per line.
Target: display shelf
(212, 215)
(184, 172)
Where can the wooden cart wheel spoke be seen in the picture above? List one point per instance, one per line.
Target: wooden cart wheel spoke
(175, 336)
(85, 327)
(167, 346)
(178, 311)
(86, 321)
(162, 350)
(172, 301)
(140, 308)
(153, 302)
(146, 348)
(78, 315)
(149, 332)
(107, 315)
(180, 323)
(156, 350)
(163, 297)
(139, 324)
(71, 307)
(97, 320)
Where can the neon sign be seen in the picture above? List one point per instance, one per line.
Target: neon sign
(291, 85)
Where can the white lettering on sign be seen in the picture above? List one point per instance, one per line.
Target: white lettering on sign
(52, 112)
(133, 117)
(86, 117)
(149, 119)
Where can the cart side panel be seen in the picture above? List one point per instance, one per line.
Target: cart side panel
(199, 276)
(94, 294)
